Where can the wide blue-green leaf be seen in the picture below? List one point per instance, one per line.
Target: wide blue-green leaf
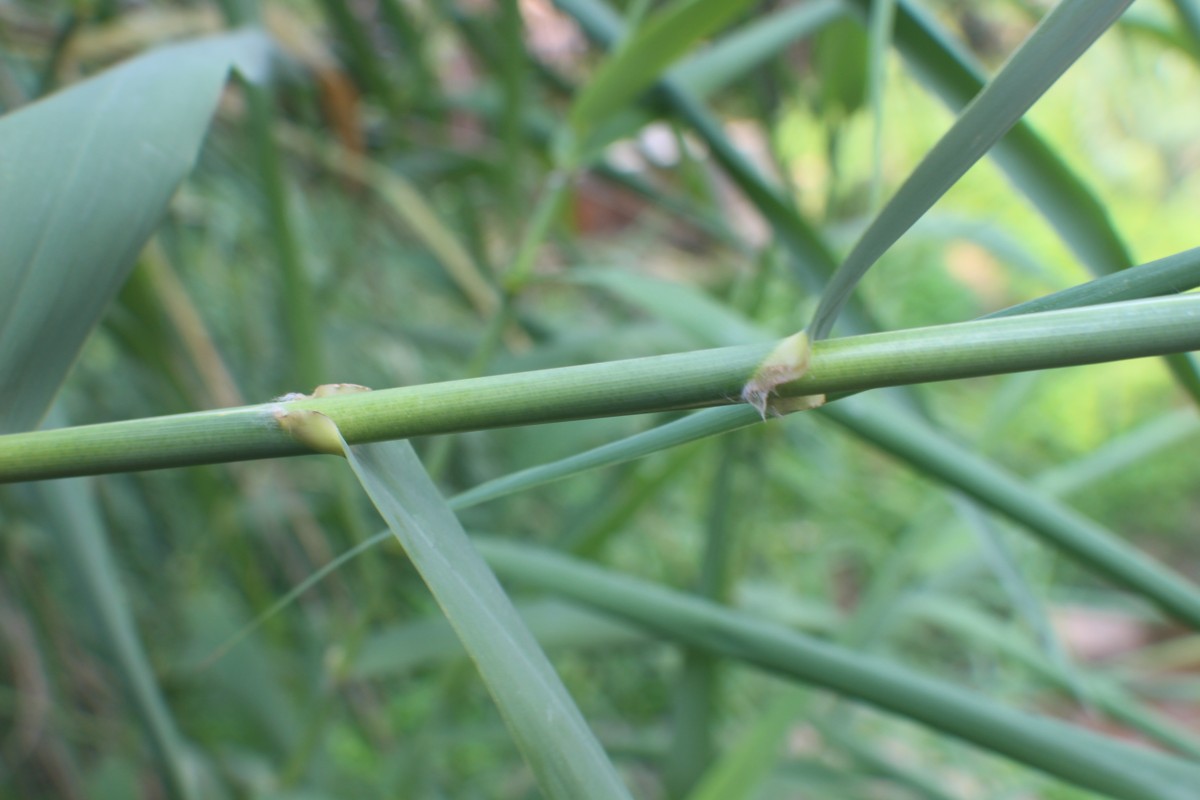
(85, 176)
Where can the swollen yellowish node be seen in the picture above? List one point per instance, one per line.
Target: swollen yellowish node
(787, 362)
(312, 428)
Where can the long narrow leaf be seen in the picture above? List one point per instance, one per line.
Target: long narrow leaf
(1033, 167)
(80, 533)
(549, 730)
(1059, 40)
(660, 40)
(735, 54)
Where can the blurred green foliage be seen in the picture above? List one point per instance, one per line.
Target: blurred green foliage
(455, 98)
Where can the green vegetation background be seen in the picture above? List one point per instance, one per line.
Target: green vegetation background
(357, 689)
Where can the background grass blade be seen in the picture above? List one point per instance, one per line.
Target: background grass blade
(739, 51)
(78, 528)
(556, 625)
(1106, 695)
(936, 456)
(811, 257)
(555, 740)
(700, 425)
(1067, 203)
(1073, 754)
(1034, 168)
(655, 44)
(1068, 30)
(99, 161)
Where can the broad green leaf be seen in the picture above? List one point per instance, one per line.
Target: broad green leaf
(1081, 757)
(659, 41)
(1063, 35)
(85, 176)
(561, 750)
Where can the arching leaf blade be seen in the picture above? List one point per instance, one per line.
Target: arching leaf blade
(1063, 35)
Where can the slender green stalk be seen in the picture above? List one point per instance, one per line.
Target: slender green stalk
(658, 383)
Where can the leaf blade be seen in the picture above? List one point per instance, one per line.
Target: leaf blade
(98, 164)
(1063, 35)
(545, 723)
(651, 48)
